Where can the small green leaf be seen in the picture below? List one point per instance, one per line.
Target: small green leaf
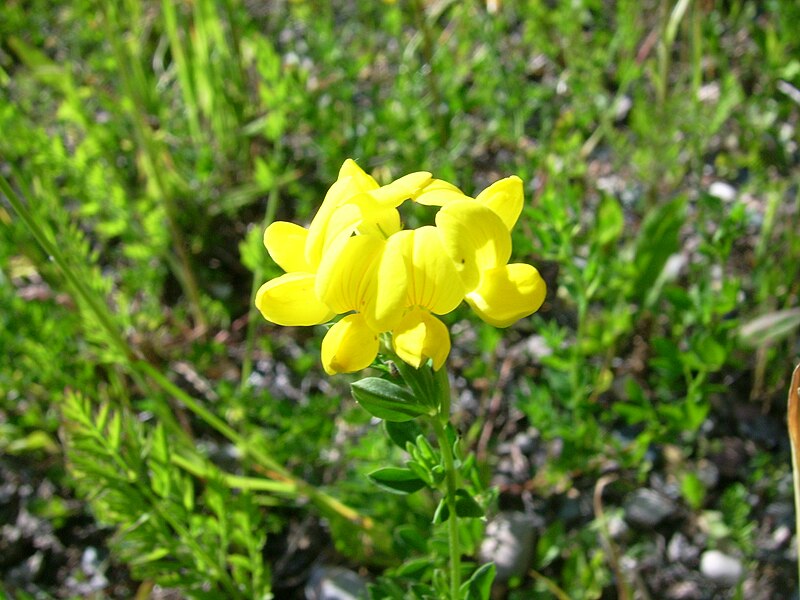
(420, 470)
(693, 490)
(466, 506)
(387, 400)
(402, 432)
(442, 513)
(479, 586)
(115, 430)
(610, 220)
(413, 568)
(397, 480)
(407, 535)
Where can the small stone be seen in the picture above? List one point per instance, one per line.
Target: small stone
(724, 191)
(509, 544)
(684, 590)
(335, 583)
(680, 550)
(617, 528)
(708, 473)
(721, 568)
(622, 107)
(525, 442)
(646, 508)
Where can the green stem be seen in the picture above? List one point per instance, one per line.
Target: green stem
(451, 486)
(152, 156)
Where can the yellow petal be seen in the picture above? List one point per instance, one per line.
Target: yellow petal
(438, 193)
(408, 186)
(290, 300)
(362, 214)
(505, 198)
(345, 278)
(285, 243)
(474, 238)
(433, 281)
(362, 181)
(508, 293)
(391, 284)
(420, 336)
(338, 194)
(350, 345)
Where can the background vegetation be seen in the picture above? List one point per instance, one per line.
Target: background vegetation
(146, 412)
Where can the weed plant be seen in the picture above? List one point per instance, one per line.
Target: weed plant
(145, 146)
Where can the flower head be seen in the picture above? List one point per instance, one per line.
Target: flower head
(356, 260)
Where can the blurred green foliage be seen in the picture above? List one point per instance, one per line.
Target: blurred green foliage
(152, 141)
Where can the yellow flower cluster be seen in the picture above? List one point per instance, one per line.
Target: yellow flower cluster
(355, 259)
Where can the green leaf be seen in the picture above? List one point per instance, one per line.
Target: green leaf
(770, 327)
(466, 506)
(421, 471)
(387, 400)
(413, 568)
(610, 220)
(402, 433)
(656, 242)
(421, 381)
(410, 536)
(693, 490)
(479, 586)
(397, 480)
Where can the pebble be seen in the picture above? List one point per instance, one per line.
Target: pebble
(335, 583)
(721, 568)
(681, 550)
(708, 473)
(684, 590)
(646, 508)
(724, 191)
(622, 107)
(509, 543)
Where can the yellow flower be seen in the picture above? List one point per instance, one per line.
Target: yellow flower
(355, 203)
(503, 197)
(432, 286)
(355, 260)
(349, 279)
(477, 239)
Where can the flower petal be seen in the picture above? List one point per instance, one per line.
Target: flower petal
(338, 194)
(345, 278)
(391, 284)
(433, 281)
(360, 178)
(505, 198)
(474, 237)
(508, 293)
(420, 336)
(438, 193)
(350, 345)
(408, 186)
(290, 300)
(285, 243)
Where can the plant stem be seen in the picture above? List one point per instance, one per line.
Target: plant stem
(451, 485)
(155, 165)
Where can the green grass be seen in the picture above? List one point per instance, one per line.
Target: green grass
(148, 144)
